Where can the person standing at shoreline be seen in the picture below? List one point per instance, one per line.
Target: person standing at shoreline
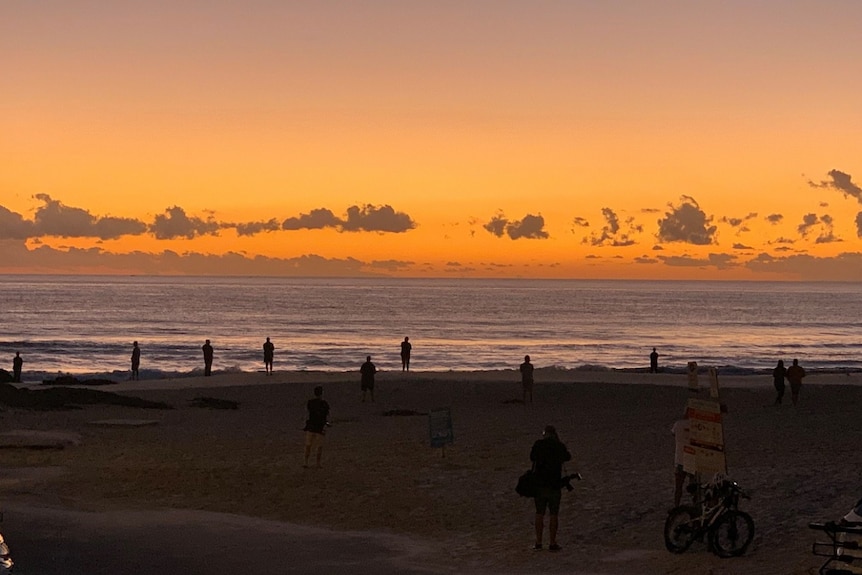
(548, 455)
(526, 370)
(315, 425)
(136, 360)
(367, 371)
(778, 375)
(795, 373)
(208, 358)
(268, 355)
(406, 348)
(653, 361)
(17, 366)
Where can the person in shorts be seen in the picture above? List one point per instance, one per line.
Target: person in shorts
(315, 425)
(548, 455)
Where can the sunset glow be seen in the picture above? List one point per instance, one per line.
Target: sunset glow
(569, 139)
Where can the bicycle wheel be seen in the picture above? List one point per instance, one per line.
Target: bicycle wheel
(680, 528)
(732, 534)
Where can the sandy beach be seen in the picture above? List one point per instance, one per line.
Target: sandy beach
(430, 511)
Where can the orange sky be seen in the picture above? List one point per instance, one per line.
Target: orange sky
(506, 139)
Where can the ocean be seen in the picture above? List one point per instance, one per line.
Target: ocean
(85, 325)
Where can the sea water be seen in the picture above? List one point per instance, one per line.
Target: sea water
(86, 324)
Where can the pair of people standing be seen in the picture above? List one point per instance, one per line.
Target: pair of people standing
(793, 374)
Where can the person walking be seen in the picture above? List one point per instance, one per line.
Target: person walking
(653, 361)
(795, 373)
(315, 425)
(136, 360)
(778, 375)
(367, 371)
(548, 455)
(17, 366)
(406, 348)
(268, 355)
(526, 370)
(208, 358)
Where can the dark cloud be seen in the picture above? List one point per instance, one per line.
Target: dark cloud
(843, 267)
(774, 218)
(580, 222)
(497, 225)
(370, 218)
(610, 234)
(254, 228)
(719, 261)
(174, 223)
(13, 226)
(823, 225)
(742, 247)
(859, 224)
(686, 223)
(73, 260)
(841, 182)
(54, 218)
(646, 260)
(314, 220)
(530, 227)
(737, 222)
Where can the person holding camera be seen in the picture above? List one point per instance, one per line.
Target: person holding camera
(548, 455)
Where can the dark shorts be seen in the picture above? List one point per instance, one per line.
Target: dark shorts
(367, 385)
(549, 499)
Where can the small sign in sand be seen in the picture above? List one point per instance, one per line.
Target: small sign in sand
(125, 422)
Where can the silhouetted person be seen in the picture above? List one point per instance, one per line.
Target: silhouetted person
(406, 347)
(315, 425)
(653, 361)
(367, 378)
(208, 358)
(526, 370)
(548, 455)
(17, 365)
(795, 373)
(136, 360)
(778, 375)
(268, 355)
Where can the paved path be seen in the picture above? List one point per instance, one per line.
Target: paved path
(49, 541)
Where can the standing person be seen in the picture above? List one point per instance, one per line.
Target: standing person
(268, 355)
(315, 425)
(548, 455)
(682, 434)
(208, 358)
(778, 375)
(653, 361)
(17, 366)
(526, 369)
(136, 360)
(406, 347)
(367, 370)
(795, 373)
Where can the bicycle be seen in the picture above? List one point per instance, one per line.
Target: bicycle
(729, 531)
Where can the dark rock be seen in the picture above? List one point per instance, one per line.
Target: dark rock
(69, 398)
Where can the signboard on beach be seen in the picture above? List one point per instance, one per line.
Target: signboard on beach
(706, 437)
(440, 427)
